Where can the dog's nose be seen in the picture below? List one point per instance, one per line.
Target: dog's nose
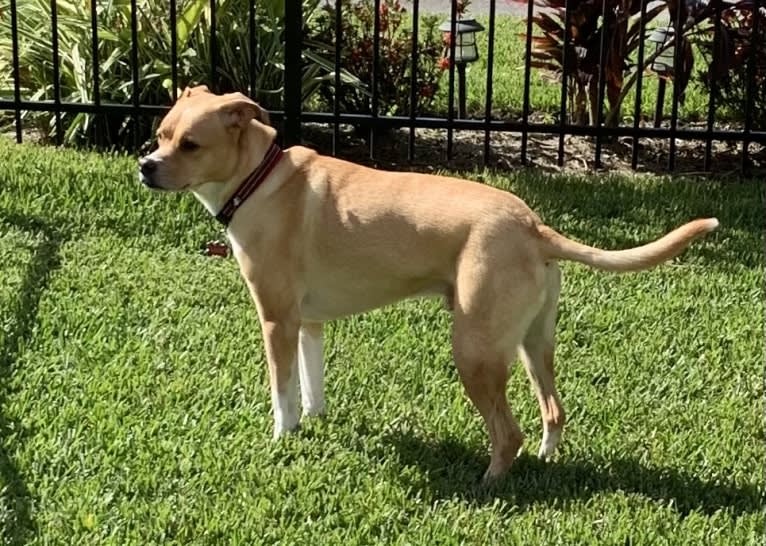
(148, 166)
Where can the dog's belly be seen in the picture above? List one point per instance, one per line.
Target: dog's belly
(334, 298)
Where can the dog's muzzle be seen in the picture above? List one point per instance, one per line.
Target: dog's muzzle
(147, 167)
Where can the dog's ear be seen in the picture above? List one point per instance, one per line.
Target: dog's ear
(238, 110)
(191, 91)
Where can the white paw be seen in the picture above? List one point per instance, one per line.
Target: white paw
(285, 407)
(548, 445)
(313, 410)
(281, 431)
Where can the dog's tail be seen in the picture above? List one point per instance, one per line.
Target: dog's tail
(633, 259)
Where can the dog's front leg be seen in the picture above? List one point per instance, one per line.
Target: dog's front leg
(281, 340)
(311, 369)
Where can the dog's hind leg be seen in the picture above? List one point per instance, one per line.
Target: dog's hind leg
(484, 377)
(311, 368)
(536, 352)
(490, 321)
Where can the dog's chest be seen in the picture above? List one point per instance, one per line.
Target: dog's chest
(331, 298)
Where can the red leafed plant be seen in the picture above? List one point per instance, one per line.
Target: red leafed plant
(620, 20)
(395, 60)
(588, 19)
(729, 63)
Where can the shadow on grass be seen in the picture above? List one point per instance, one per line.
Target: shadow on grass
(23, 314)
(451, 469)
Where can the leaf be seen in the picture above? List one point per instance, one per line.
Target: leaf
(327, 64)
(548, 24)
(635, 27)
(545, 66)
(188, 20)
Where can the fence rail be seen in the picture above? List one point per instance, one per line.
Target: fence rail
(292, 116)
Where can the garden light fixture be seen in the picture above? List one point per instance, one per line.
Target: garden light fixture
(465, 51)
(663, 64)
(465, 45)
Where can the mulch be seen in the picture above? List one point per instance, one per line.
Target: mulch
(542, 152)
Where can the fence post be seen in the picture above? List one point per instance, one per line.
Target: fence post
(293, 94)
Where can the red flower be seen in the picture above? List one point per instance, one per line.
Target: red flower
(444, 63)
(427, 91)
(447, 38)
(383, 17)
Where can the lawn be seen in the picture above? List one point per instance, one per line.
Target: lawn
(134, 406)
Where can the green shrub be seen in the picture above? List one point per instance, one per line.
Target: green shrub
(75, 59)
(154, 67)
(395, 61)
(731, 73)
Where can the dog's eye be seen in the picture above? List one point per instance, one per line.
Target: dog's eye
(188, 146)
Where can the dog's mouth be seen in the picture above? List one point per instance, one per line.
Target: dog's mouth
(152, 184)
(147, 181)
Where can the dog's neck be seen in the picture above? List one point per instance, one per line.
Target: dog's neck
(214, 195)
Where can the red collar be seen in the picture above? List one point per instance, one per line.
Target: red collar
(250, 184)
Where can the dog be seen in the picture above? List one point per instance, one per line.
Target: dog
(317, 238)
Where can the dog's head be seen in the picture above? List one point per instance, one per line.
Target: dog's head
(200, 140)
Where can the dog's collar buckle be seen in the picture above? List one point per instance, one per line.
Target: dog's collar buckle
(250, 184)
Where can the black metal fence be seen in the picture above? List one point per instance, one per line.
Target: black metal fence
(291, 118)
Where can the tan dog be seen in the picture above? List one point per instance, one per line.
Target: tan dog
(322, 238)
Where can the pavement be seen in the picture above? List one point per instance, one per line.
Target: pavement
(481, 7)
(477, 7)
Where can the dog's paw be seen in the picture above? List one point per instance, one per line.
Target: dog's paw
(314, 411)
(281, 432)
(313, 415)
(548, 445)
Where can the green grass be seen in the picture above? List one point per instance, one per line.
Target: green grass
(545, 92)
(134, 406)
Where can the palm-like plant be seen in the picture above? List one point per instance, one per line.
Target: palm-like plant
(616, 22)
(194, 47)
(729, 56)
